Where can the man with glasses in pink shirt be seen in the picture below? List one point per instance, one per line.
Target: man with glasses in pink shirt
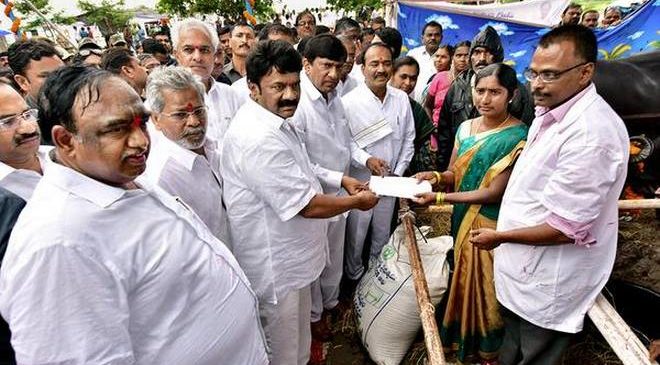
(556, 234)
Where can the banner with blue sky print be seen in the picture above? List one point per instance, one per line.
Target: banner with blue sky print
(638, 33)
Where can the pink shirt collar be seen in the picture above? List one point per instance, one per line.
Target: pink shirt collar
(559, 112)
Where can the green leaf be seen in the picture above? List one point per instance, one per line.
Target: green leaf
(231, 9)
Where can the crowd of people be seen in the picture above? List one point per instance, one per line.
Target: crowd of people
(204, 198)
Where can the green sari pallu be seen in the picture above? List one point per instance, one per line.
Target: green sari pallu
(472, 326)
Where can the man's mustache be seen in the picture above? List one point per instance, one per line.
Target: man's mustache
(286, 103)
(194, 132)
(538, 93)
(23, 137)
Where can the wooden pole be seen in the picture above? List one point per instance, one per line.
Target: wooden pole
(614, 329)
(59, 36)
(621, 338)
(426, 308)
(623, 204)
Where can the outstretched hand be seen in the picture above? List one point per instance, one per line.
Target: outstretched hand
(353, 185)
(424, 198)
(426, 175)
(366, 199)
(378, 167)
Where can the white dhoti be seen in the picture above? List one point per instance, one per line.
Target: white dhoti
(325, 290)
(286, 325)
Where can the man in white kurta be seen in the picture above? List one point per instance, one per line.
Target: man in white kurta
(185, 162)
(557, 228)
(323, 127)
(431, 38)
(22, 160)
(222, 103)
(102, 268)
(195, 43)
(382, 125)
(274, 201)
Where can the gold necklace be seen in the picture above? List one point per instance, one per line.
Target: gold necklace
(508, 115)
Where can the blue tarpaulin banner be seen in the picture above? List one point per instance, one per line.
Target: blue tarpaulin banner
(638, 33)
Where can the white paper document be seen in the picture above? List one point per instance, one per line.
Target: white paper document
(400, 187)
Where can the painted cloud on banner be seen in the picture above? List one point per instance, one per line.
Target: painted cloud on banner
(500, 28)
(444, 20)
(411, 42)
(636, 35)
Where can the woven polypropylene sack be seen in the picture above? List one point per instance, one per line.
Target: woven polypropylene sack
(385, 300)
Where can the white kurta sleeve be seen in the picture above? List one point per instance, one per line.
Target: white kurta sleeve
(329, 178)
(66, 307)
(272, 172)
(359, 155)
(408, 141)
(577, 188)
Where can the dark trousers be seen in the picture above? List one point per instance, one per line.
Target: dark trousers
(528, 344)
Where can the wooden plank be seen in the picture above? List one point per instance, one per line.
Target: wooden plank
(618, 334)
(623, 204)
(434, 351)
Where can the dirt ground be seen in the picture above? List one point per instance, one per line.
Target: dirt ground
(638, 261)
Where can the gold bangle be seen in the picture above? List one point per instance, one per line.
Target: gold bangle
(438, 178)
(439, 198)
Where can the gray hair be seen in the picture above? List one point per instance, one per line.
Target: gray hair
(192, 23)
(171, 78)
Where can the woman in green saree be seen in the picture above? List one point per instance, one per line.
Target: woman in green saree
(485, 150)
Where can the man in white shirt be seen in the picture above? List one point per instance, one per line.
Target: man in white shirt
(557, 227)
(322, 124)
(102, 268)
(22, 161)
(274, 201)
(431, 39)
(382, 126)
(273, 32)
(348, 81)
(195, 43)
(185, 162)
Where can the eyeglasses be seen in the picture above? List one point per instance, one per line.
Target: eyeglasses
(87, 51)
(548, 76)
(30, 115)
(181, 116)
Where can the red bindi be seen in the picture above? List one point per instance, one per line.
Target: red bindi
(189, 108)
(137, 121)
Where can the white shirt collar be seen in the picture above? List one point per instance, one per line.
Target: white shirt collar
(271, 119)
(371, 94)
(42, 155)
(314, 94)
(83, 186)
(184, 156)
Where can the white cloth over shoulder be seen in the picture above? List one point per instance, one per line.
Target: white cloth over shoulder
(385, 129)
(96, 274)
(268, 181)
(576, 170)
